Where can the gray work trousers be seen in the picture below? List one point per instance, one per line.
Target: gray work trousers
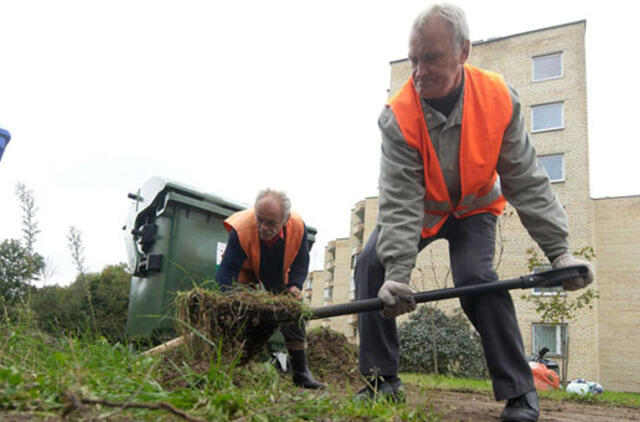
(471, 251)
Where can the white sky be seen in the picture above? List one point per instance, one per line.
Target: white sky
(234, 96)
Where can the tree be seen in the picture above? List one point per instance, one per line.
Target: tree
(17, 267)
(29, 231)
(557, 307)
(29, 224)
(77, 254)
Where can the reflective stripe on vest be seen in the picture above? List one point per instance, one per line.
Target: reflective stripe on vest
(487, 111)
(245, 225)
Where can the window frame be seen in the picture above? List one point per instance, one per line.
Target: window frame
(533, 107)
(564, 174)
(562, 335)
(533, 66)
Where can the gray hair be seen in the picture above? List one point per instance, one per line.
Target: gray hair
(285, 202)
(452, 14)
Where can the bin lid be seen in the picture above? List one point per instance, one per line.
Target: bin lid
(156, 187)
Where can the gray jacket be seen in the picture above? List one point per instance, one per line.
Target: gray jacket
(523, 180)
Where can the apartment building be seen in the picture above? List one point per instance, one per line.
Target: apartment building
(547, 69)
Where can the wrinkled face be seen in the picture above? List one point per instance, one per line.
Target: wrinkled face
(269, 217)
(436, 64)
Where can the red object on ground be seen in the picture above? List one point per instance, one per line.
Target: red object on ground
(543, 377)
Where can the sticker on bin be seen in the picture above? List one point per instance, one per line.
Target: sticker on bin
(220, 252)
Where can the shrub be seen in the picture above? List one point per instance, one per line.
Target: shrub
(457, 347)
(67, 309)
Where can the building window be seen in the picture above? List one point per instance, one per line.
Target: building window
(328, 292)
(310, 284)
(547, 117)
(554, 165)
(547, 67)
(551, 336)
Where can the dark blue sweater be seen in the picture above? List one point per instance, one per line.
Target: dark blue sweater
(271, 263)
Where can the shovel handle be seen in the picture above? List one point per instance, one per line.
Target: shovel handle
(551, 278)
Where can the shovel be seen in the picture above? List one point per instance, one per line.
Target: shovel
(551, 278)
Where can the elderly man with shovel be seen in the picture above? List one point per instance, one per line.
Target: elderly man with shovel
(454, 149)
(268, 245)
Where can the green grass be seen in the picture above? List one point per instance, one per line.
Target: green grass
(41, 377)
(611, 398)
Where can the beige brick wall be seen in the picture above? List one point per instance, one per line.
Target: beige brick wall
(618, 250)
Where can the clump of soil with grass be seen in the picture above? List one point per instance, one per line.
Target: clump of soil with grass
(237, 325)
(331, 357)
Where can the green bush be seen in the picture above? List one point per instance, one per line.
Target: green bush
(457, 347)
(67, 309)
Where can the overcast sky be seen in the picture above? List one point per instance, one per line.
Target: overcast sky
(234, 96)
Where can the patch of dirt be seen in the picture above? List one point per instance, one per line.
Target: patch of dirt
(331, 357)
(464, 406)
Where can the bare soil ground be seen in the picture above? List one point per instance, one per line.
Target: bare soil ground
(463, 406)
(335, 361)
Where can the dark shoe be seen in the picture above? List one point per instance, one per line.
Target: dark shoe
(524, 408)
(302, 376)
(379, 389)
(306, 380)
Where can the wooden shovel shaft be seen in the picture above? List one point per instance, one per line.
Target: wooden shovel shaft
(552, 278)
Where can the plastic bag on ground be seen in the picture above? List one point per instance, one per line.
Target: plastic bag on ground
(543, 377)
(582, 387)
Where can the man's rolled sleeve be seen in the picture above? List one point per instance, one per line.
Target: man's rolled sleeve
(400, 202)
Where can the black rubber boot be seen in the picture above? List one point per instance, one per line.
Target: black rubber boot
(302, 376)
(524, 408)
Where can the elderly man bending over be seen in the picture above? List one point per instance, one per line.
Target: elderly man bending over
(268, 245)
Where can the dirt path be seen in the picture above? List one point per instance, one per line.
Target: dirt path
(459, 406)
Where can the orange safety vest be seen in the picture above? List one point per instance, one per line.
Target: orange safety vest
(244, 223)
(487, 111)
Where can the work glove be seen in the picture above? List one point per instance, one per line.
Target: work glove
(575, 283)
(397, 298)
